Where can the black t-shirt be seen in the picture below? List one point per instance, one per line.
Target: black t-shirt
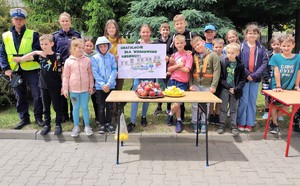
(50, 74)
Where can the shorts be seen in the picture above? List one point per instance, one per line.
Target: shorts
(181, 85)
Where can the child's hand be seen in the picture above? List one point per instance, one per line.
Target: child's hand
(66, 94)
(231, 90)
(181, 64)
(169, 73)
(249, 78)
(91, 91)
(16, 59)
(278, 89)
(212, 89)
(171, 60)
(117, 57)
(167, 58)
(41, 53)
(192, 88)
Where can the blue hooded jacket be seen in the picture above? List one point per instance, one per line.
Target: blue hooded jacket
(260, 60)
(104, 66)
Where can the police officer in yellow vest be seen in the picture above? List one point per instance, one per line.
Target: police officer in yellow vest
(17, 42)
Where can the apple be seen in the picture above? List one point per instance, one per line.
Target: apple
(140, 90)
(152, 93)
(144, 93)
(159, 93)
(142, 84)
(156, 85)
(147, 88)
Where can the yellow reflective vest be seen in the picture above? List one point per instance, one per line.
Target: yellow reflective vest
(25, 48)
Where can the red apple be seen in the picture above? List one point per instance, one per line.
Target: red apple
(147, 88)
(157, 85)
(139, 91)
(144, 93)
(152, 93)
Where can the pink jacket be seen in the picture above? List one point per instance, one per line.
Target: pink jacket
(77, 75)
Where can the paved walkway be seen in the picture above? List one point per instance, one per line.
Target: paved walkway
(149, 159)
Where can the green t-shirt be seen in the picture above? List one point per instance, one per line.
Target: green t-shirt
(230, 73)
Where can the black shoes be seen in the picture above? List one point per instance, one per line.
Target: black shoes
(40, 122)
(144, 122)
(58, 130)
(110, 128)
(130, 127)
(46, 130)
(22, 124)
(101, 129)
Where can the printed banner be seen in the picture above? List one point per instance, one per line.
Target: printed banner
(142, 61)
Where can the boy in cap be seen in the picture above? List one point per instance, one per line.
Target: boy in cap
(209, 33)
(19, 41)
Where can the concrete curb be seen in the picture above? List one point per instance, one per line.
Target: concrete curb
(134, 137)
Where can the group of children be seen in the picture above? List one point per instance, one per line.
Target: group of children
(232, 73)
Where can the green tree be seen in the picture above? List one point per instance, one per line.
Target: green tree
(43, 14)
(4, 18)
(157, 11)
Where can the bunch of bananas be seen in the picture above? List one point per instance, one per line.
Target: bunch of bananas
(173, 91)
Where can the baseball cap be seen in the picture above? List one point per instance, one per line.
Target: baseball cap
(18, 13)
(209, 27)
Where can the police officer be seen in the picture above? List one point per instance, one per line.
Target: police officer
(16, 42)
(62, 40)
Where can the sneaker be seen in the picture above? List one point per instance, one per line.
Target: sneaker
(110, 128)
(46, 130)
(221, 130)
(130, 127)
(248, 128)
(235, 132)
(75, 131)
(40, 122)
(195, 128)
(101, 129)
(88, 130)
(58, 130)
(22, 124)
(203, 128)
(271, 125)
(265, 116)
(170, 120)
(280, 118)
(168, 111)
(144, 122)
(241, 128)
(178, 127)
(275, 129)
(157, 111)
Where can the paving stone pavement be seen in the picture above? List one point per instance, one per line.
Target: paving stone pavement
(150, 159)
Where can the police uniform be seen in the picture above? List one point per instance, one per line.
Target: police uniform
(18, 44)
(62, 41)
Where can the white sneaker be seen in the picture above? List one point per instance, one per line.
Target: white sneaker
(265, 116)
(88, 130)
(280, 118)
(75, 131)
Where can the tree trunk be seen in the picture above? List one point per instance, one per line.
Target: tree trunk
(297, 32)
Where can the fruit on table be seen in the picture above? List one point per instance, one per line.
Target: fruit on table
(149, 89)
(123, 137)
(173, 91)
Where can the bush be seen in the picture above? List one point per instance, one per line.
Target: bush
(7, 97)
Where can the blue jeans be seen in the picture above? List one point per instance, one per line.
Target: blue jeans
(247, 105)
(135, 105)
(80, 100)
(31, 79)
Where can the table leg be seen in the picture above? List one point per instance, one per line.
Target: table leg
(206, 133)
(121, 107)
(269, 117)
(197, 133)
(294, 110)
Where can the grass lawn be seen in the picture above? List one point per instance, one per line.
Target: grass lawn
(9, 117)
